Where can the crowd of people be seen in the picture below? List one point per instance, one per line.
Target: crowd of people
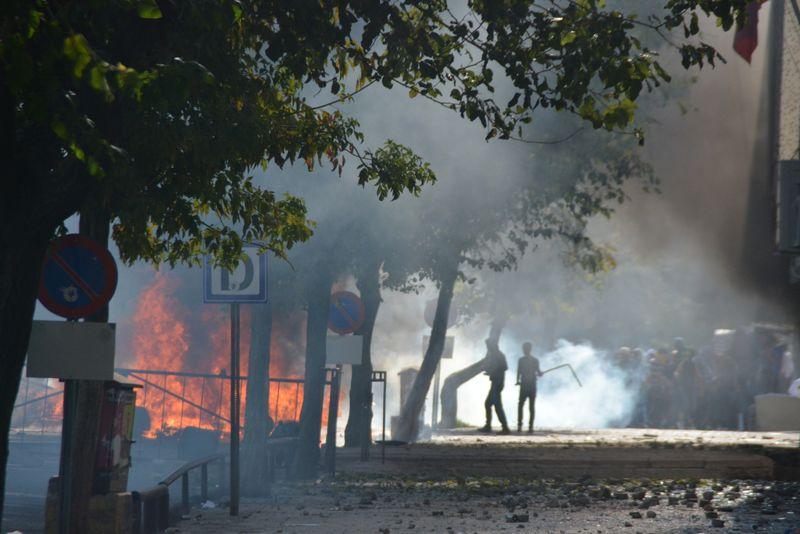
(676, 387)
(711, 388)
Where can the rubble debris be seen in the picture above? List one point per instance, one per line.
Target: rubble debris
(517, 518)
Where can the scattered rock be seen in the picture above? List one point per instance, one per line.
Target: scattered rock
(717, 523)
(517, 518)
(712, 515)
(581, 499)
(620, 496)
(635, 515)
(651, 514)
(438, 513)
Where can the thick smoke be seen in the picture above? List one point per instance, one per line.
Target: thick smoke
(682, 255)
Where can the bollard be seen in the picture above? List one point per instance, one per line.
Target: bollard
(204, 482)
(185, 492)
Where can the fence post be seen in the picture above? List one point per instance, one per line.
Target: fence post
(204, 483)
(185, 492)
(136, 503)
(163, 509)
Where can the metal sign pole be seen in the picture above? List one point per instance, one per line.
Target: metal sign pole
(65, 470)
(234, 510)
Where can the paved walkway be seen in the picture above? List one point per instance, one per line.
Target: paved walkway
(624, 437)
(622, 453)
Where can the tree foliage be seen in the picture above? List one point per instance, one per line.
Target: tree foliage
(157, 110)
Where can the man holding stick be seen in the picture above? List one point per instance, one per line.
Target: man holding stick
(527, 372)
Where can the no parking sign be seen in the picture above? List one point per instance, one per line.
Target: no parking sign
(346, 312)
(79, 277)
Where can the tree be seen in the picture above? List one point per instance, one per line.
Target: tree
(358, 431)
(118, 106)
(255, 479)
(565, 187)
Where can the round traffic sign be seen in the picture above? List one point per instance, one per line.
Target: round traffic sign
(78, 277)
(430, 313)
(346, 312)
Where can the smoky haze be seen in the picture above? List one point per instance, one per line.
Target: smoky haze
(682, 255)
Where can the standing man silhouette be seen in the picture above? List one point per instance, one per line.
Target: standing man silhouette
(527, 372)
(496, 366)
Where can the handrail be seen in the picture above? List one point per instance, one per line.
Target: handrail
(159, 372)
(185, 468)
(152, 504)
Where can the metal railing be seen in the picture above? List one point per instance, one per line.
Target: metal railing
(152, 507)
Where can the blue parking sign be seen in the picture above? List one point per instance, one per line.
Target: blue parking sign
(246, 283)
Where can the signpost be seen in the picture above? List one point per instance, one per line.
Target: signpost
(346, 313)
(71, 350)
(430, 314)
(79, 277)
(246, 283)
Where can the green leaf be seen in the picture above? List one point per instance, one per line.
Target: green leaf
(237, 11)
(76, 48)
(98, 80)
(148, 9)
(60, 129)
(568, 37)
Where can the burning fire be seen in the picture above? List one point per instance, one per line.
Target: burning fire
(40, 407)
(168, 336)
(164, 339)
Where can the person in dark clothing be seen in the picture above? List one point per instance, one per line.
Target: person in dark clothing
(496, 369)
(527, 372)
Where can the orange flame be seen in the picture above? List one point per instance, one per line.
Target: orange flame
(163, 340)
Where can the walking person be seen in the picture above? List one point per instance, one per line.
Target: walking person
(527, 372)
(496, 369)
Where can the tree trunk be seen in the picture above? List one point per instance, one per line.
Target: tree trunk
(454, 381)
(498, 323)
(408, 425)
(318, 296)
(358, 431)
(21, 253)
(255, 481)
(450, 392)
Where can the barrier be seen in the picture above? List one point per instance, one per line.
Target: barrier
(152, 507)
